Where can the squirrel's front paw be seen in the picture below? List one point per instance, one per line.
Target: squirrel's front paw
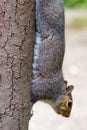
(30, 114)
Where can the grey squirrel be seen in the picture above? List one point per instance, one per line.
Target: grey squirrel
(48, 83)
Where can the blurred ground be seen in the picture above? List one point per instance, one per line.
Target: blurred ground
(75, 70)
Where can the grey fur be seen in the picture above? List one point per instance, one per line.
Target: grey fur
(48, 82)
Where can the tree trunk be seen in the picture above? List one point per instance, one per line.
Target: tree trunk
(17, 26)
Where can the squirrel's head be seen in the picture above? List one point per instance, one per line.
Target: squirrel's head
(65, 106)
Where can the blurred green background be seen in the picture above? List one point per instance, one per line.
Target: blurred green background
(75, 3)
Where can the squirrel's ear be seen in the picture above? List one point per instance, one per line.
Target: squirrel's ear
(66, 82)
(69, 89)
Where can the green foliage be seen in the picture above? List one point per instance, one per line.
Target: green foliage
(76, 3)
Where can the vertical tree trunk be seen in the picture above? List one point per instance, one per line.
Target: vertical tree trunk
(16, 50)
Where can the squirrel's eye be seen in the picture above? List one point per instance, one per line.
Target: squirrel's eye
(69, 104)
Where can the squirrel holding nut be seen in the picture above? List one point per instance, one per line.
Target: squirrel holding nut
(48, 83)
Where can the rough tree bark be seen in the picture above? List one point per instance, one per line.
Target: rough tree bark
(16, 50)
